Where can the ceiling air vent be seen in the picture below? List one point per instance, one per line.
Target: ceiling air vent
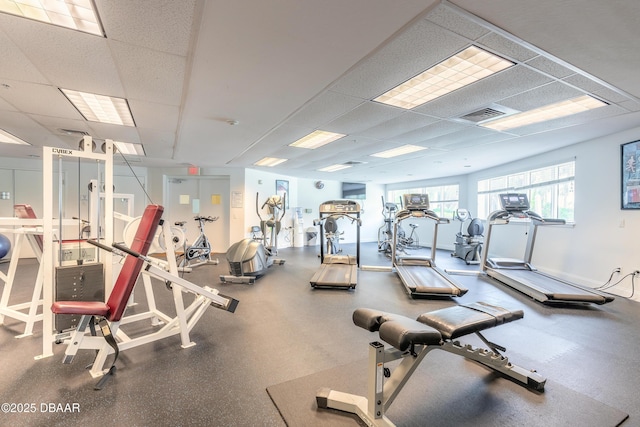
(489, 113)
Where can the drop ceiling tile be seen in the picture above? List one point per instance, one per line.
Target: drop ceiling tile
(451, 20)
(157, 144)
(114, 132)
(19, 67)
(66, 58)
(323, 109)
(489, 90)
(630, 105)
(363, 117)
(150, 75)
(410, 53)
(27, 128)
(164, 26)
(468, 137)
(541, 96)
(54, 124)
(399, 125)
(506, 47)
(154, 116)
(595, 88)
(423, 135)
(550, 67)
(40, 100)
(573, 120)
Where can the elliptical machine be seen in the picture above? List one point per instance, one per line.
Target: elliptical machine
(385, 232)
(468, 246)
(251, 257)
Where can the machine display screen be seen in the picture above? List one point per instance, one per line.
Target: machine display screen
(514, 202)
(416, 201)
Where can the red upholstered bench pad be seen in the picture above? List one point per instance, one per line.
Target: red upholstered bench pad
(91, 308)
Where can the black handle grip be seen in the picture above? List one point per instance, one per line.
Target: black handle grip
(94, 242)
(126, 249)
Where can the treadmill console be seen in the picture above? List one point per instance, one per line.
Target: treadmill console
(416, 202)
(514, 202)
(340, 206)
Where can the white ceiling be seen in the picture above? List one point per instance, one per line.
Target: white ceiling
(284, 68)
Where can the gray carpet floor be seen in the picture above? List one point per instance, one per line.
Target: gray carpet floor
(284, 330)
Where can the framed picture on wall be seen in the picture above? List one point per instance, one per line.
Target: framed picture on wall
(282, 190)
(630, 163)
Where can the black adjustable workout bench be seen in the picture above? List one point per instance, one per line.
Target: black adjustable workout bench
(411, 340)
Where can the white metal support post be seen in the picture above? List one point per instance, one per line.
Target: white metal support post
(48, 254)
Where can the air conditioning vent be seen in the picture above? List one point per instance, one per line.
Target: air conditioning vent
(491, 112)
(482, 115)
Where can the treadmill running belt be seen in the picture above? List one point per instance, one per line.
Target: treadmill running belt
(545, 288)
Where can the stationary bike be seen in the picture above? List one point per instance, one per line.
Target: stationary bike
(412, 241)
(251, 257)
(468, 246)
(200, 250)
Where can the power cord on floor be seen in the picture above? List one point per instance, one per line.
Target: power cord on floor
(609, 285)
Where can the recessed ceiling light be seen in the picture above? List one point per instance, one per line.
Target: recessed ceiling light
(548, 112)
(405, 149)
(316, 139)
(100, 108)
(78, 15)
(269, 161)
(334, 168)
(7, 138)
(462, 69)
(129, 148)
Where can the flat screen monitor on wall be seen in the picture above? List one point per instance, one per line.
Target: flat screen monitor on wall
(354, 190)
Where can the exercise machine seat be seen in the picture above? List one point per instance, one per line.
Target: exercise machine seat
(456, 321)
(113, 309)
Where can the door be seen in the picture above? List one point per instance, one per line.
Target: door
(188, 197)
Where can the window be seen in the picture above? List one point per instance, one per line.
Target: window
(550, 191)
(443, 199)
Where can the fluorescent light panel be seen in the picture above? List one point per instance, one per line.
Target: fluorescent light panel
(334, 168)
(405, 149)
(7, 138)
(75, 14)
(548, 112)
(129, 148)
(462, 69)
(100, 108)
(269, 161)
(316, 139)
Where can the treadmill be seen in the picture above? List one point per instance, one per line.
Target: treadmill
(521, 274)
(336, 270)
(419, 274)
